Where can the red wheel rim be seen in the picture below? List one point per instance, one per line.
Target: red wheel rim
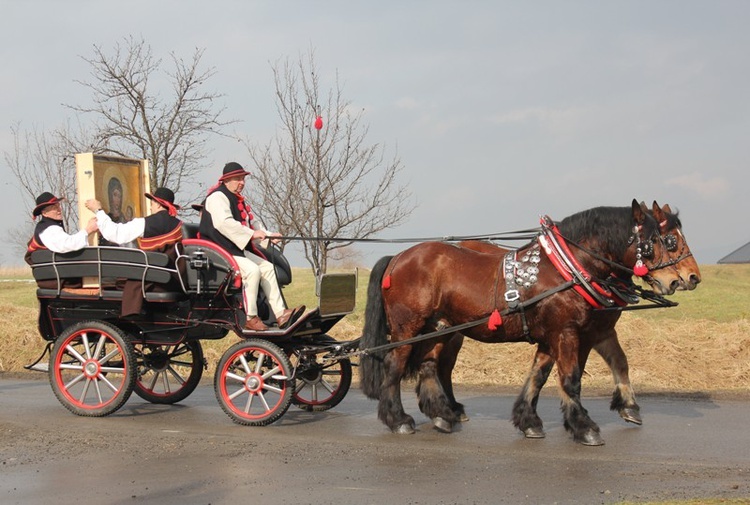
(253, 383)
(86, 371)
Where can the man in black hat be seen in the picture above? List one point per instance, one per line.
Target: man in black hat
(228, 220)
(161, 232)
(50, 232)
(153, 233)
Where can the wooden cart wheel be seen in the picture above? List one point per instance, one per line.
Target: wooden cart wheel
(252, 382)
(168, 373)
(92, 368)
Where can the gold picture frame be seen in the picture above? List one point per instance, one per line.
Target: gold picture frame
(118, 183)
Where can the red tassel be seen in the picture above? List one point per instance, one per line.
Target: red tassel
(640, 269)
(495, 320)
(387, 282)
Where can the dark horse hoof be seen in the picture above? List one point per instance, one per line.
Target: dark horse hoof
(631, 415)
(442, 425)
(591, 437)
(405, 429)
(462, 417)
(534, 433)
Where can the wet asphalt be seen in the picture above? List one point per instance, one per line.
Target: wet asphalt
(192, 453)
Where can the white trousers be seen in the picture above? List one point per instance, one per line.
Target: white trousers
(257, 272)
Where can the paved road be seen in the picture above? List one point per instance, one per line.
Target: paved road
(193, 454)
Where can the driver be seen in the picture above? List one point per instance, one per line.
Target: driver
(228, 221)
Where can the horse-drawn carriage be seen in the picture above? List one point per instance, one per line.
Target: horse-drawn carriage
(421, 303)
(97, 358)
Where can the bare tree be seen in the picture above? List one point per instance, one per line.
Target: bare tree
(133, 118)
(324, 182)
(44, 161)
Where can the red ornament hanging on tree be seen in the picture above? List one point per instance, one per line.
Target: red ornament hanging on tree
(318, 122)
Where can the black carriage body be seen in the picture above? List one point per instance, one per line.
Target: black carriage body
(157, 353)
(205, 305)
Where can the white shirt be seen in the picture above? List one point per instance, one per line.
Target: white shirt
(57, 240)
(217, 205)
(120, 233)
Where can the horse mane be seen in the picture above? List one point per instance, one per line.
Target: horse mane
(673, 220)
(611, 227)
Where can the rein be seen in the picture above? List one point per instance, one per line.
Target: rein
(527, 234)
(453, 329)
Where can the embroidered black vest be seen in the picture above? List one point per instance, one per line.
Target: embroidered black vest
(161, 232)
(35, 243)
(207, 230)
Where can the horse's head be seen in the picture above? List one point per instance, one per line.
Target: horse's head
(649, 252)
(677, 251)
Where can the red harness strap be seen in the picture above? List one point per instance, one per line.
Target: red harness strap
(562, 258)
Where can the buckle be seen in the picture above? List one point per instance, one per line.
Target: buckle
(512, 295)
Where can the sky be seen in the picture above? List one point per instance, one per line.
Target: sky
(500, 111)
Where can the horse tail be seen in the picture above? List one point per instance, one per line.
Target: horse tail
(374, 332)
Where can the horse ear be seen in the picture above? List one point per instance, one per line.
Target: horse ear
(658, 213)
(667, 209)
(639, 215)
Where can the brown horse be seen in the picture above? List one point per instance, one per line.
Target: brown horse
(432, 285)
(600, 336)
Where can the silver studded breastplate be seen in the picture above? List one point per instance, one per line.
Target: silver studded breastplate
(521, 270)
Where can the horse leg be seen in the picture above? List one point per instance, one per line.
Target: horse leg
(577, 420)
(525, 416)
(433, 401)
(446, 364)
(390, 409)
(623, 397)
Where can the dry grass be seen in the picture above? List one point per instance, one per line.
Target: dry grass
(675, 355)
(702, 345)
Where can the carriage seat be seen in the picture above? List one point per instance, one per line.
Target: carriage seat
(102, 265)
(208, 267)
(190, 230)
(210, 263)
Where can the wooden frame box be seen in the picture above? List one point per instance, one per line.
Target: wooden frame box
(118, 183)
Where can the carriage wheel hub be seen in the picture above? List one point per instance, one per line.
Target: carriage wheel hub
(91, 369)
(157, 360)
(253, 383)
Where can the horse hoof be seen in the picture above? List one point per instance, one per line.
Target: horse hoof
(631, 415)
(442, 425)
(405, 429)
(462, 418)
(591, 438)
(534, 433)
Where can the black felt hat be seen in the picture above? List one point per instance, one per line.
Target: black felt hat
(163, 196)
(233, 169)
(45, 200)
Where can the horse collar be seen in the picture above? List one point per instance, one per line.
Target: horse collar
(567, 265)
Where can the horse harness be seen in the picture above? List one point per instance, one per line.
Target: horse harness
(611, 294)
(614, 293)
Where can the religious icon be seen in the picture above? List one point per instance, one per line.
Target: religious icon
(118, 183)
